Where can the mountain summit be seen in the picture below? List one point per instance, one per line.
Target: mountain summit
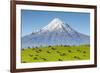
(54, 24)
(57, 25)
(56, 32)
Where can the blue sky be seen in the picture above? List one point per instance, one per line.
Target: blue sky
(35, 20)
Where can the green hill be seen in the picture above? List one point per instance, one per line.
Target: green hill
(55, 53)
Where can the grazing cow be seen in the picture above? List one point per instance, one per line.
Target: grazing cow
(60, 60)
(69, 50)
(35, 58)
(44, 59)
(24, 62)
(48, 52)
(84, 51)
(78, 50)
(40, 50)
(53, 48)
(30, 55)
(58, 51)
(76, 57)
(62, 54)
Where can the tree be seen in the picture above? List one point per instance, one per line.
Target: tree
(28, 47)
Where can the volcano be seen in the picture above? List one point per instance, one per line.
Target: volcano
(56, 32)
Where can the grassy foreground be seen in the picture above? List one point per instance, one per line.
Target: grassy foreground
(55, 53)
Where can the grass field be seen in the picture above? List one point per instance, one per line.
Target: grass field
(55, 53)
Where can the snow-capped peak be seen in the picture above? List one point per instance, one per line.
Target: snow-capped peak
(56, 23)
